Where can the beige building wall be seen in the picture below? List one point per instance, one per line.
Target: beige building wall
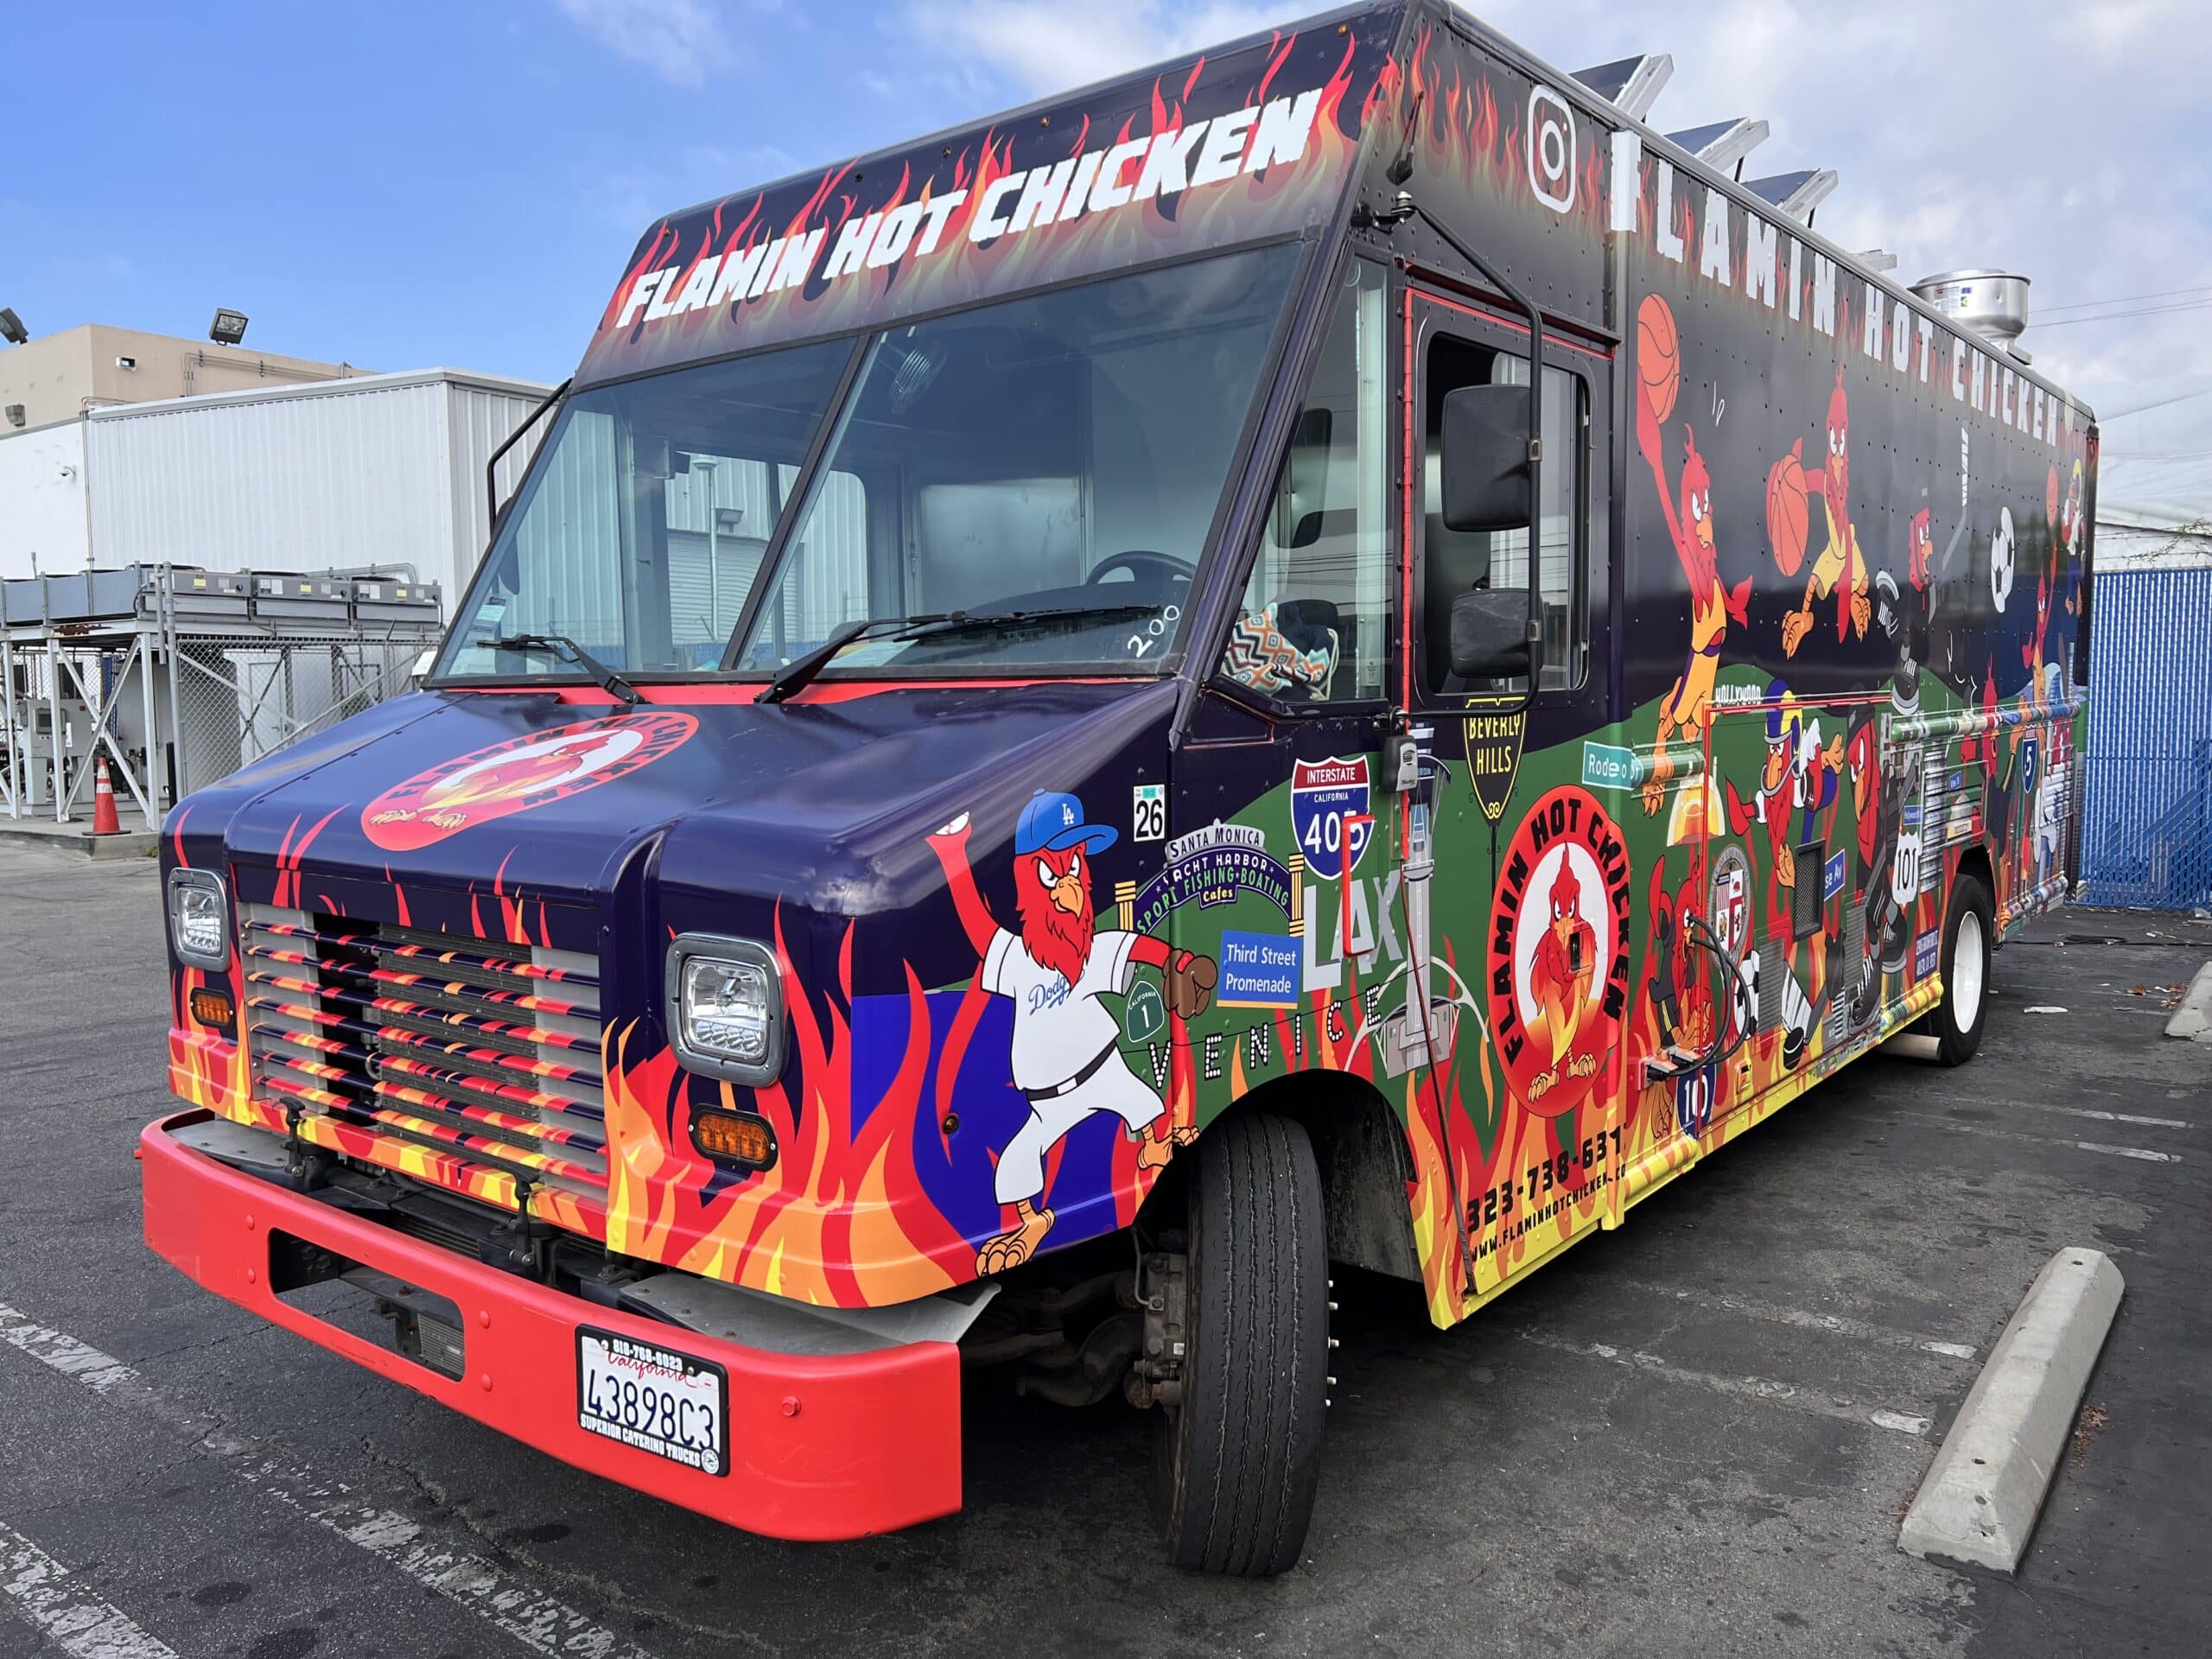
(58, 377)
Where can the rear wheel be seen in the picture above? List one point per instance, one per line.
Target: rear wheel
(1240, 1454)
(1969, 932)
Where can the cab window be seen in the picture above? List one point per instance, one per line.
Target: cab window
(1314, 623)
(1455, 562)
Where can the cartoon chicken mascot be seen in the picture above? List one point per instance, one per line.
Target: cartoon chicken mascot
(1056, 971)
(1566, 960)
(1841, 570)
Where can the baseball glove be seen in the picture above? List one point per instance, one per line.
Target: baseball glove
(1189, 984)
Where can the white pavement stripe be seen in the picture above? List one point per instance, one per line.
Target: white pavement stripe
(1776, 1314)
(540, 1621)
(2142, 1153)
(66, 1612)
(2109, 1117)
(1741, 1388)
(1949, 1099)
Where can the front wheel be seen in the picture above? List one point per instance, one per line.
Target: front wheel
(1969, 930)
(1241, 1453)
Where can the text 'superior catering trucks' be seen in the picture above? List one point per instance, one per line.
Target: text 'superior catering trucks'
(985, 807)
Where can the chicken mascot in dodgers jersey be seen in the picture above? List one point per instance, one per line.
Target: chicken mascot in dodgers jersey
(1055, 972)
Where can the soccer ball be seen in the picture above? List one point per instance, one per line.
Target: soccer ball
(2001, 559)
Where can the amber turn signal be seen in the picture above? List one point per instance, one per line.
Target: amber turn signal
(212, 1007)
(737, 1136)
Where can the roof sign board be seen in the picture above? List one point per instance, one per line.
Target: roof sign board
(1255, 141)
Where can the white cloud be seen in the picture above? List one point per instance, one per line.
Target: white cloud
(1035, 47)
(2067, 141)
(2071, 142)
(680, 40)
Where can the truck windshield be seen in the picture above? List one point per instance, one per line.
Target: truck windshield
(1061, 456)
(640, 530)
(1051, 464)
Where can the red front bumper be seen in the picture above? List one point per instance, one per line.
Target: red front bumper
(819, 1448)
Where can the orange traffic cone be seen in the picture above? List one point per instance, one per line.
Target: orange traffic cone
(105, 823)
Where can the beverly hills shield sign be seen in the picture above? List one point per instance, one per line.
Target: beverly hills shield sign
(1329, 813)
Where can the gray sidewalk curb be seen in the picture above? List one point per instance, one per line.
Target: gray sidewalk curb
(1980, 1501)
(131, 843)
(2193, 1019)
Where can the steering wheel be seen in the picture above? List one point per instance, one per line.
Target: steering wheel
(1138, 560)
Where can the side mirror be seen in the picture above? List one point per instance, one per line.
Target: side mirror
(1493, 638)
(1485, 461)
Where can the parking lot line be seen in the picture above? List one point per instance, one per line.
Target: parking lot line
(1740, 1387)
(1775, 1313)
(541, 1622)
(2143, 1154)
(65, 1610)
(1950, 1099)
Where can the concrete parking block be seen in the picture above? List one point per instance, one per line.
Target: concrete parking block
(1981, 1496)
(2193, 1019)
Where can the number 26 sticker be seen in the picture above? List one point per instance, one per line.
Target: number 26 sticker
(1149, 813)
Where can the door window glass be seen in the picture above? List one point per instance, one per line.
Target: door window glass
(1314, 624)
(1455, 562)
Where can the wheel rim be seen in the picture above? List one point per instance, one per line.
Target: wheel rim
(1968, 962)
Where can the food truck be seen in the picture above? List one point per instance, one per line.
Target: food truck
(1334, 652)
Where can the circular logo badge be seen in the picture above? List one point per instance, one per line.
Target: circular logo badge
(1559, 951)
(1728, 901)
(520, 773)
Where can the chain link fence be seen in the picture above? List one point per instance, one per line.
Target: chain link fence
(2146, 809)
(238, 697)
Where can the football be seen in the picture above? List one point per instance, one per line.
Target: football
(2001, 546)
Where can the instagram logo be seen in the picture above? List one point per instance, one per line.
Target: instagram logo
(1551, 149)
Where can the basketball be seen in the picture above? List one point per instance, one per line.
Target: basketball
(1786, 512)
(1658, 355)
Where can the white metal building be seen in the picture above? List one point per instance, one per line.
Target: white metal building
(382, 469)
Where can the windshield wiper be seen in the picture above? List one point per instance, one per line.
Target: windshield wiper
(800, 671)
(566, 650)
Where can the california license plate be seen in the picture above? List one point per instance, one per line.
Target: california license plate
(654, 1399)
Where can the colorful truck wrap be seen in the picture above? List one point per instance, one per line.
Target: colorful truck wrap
(964, 747)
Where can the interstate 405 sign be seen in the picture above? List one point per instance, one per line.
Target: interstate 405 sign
(1329, 813)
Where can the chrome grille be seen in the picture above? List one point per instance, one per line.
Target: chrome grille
(483, 1051)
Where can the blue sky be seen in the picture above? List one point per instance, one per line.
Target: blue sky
(406, 184)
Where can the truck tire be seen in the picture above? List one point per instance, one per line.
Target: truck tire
(1240, 1457)
(1969, 931)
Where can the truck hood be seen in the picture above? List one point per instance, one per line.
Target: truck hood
(821, 802)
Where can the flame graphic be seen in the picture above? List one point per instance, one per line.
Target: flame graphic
(840, 1217)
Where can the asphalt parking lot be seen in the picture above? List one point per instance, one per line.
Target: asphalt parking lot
(1696, 1435)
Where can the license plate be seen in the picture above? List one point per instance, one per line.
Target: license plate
(654, 1399)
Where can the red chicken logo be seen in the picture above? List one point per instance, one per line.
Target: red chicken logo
(520, 773)
(1558, 958)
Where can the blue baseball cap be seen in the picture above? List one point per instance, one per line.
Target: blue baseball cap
(1053, 822)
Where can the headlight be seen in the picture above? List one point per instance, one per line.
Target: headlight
(199, 919)
(726, 1008)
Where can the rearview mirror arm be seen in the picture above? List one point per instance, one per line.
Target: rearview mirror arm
(1407, 207)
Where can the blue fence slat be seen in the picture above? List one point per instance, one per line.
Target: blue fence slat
(2146, 801)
